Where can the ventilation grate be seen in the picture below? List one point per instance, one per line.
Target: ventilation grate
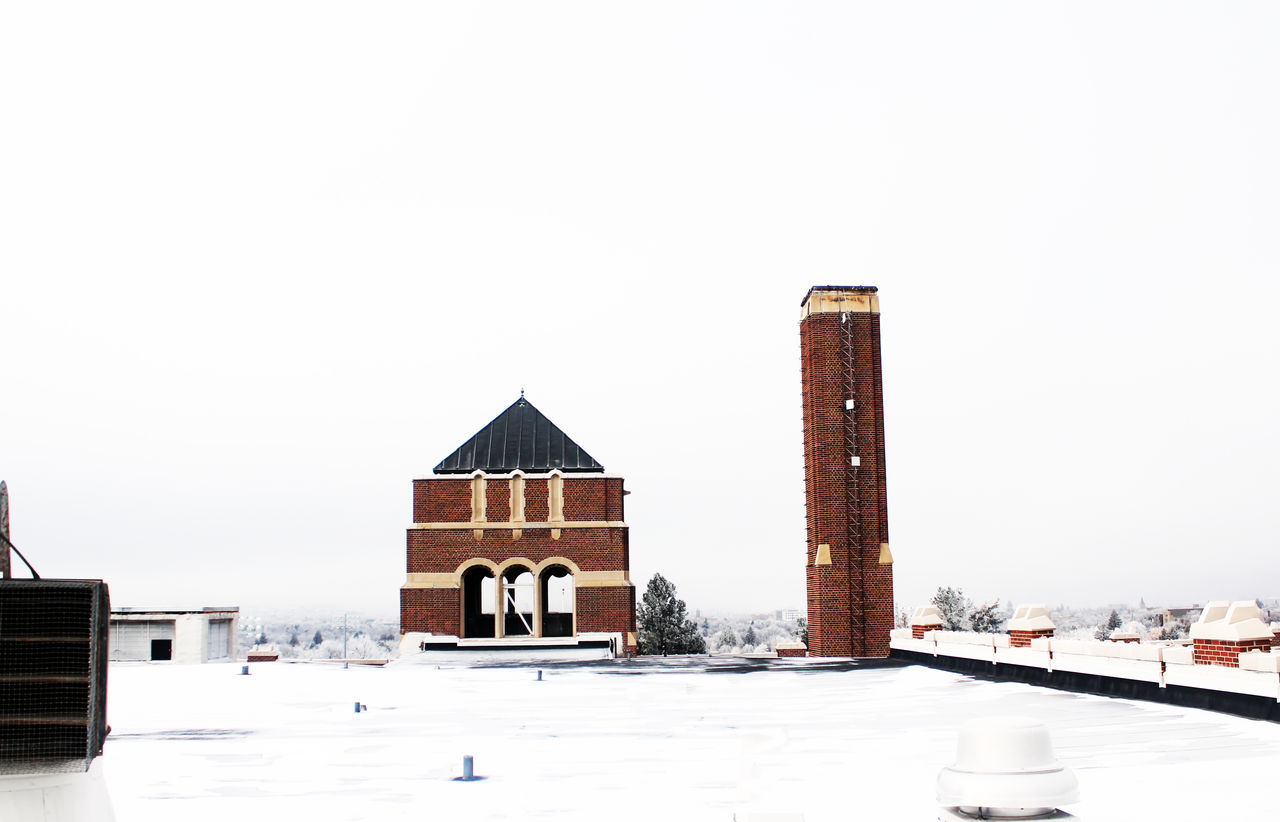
(53, 674)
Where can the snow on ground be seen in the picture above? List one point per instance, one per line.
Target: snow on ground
(625, 740)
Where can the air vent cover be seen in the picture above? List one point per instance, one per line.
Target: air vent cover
(53, 674)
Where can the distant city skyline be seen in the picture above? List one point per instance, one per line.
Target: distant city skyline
(264, 265)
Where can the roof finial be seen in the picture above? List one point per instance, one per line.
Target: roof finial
(522, 392)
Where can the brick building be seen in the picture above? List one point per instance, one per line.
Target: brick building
(849, 570)
(519, 536)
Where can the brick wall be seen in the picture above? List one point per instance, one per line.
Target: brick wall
(1223, 652)
(606, 609)
(586, 498)
(850, 612)
(1022, 639)
(591, 549)
(433, 610)
(448, 500)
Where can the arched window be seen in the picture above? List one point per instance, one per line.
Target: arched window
(479, 599)
(557, 592)
(517, 601)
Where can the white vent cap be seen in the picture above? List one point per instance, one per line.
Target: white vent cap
(1005, 768)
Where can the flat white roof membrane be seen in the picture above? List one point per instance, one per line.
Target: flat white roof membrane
(620, 741)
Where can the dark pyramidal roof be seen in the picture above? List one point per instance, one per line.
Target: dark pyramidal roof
(520, 437)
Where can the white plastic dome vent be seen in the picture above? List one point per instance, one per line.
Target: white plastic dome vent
(1005, 769)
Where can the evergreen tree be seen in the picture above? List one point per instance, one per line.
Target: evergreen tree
(664, 628)
(1104, 631)
(262, 638)
(954, 607)
(317, 639)
(727, 638)
(749, 638)
(802, 631)
(987, 619)
(706, 627)
(293, 640)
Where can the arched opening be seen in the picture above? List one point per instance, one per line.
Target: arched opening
(478, 601)
(556, 582)
(517, 601)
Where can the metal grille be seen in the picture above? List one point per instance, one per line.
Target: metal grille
(853, 513)
(53, 674)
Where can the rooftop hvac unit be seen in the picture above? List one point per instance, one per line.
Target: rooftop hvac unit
(53, 674)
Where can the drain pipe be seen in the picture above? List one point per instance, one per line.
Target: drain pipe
(1005, 769)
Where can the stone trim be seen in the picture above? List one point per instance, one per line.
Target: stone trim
(581, 579)
(512, 526)
(531, 475)
(432, 581)
(602, 579)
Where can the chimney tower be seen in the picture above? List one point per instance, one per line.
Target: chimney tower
(849, 570)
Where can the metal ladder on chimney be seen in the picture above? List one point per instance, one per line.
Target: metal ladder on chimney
(852, 500)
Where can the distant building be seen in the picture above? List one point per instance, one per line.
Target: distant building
(208, 635)
(518, 536)
(1180, 616)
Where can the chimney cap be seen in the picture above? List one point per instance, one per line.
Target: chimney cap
(848, 289)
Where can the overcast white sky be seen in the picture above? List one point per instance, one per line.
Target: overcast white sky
(264, 263)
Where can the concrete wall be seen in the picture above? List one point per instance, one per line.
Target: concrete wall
(1162, 665)
(189, 632)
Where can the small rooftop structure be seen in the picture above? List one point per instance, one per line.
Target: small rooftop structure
(1224, 631)
(207, 635)
(1031, 618)
(925, 618)
(1237, 622)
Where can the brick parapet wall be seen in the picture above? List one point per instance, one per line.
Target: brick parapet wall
(1022, 639)
(1224, 652)
(790, 652)
(591, 549)
(841, 624)
(586, 498)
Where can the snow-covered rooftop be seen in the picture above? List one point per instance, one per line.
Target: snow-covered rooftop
(633, 740)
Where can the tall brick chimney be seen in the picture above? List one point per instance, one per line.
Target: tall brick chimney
(849, 571)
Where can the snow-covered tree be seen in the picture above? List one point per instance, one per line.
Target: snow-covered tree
(727, 639)
(664, 628)
(1113, 622)
(954, 608)
(986, 619)
(317, 639)
(750, 638)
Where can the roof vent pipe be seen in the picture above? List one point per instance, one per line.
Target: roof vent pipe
(1005, 769)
